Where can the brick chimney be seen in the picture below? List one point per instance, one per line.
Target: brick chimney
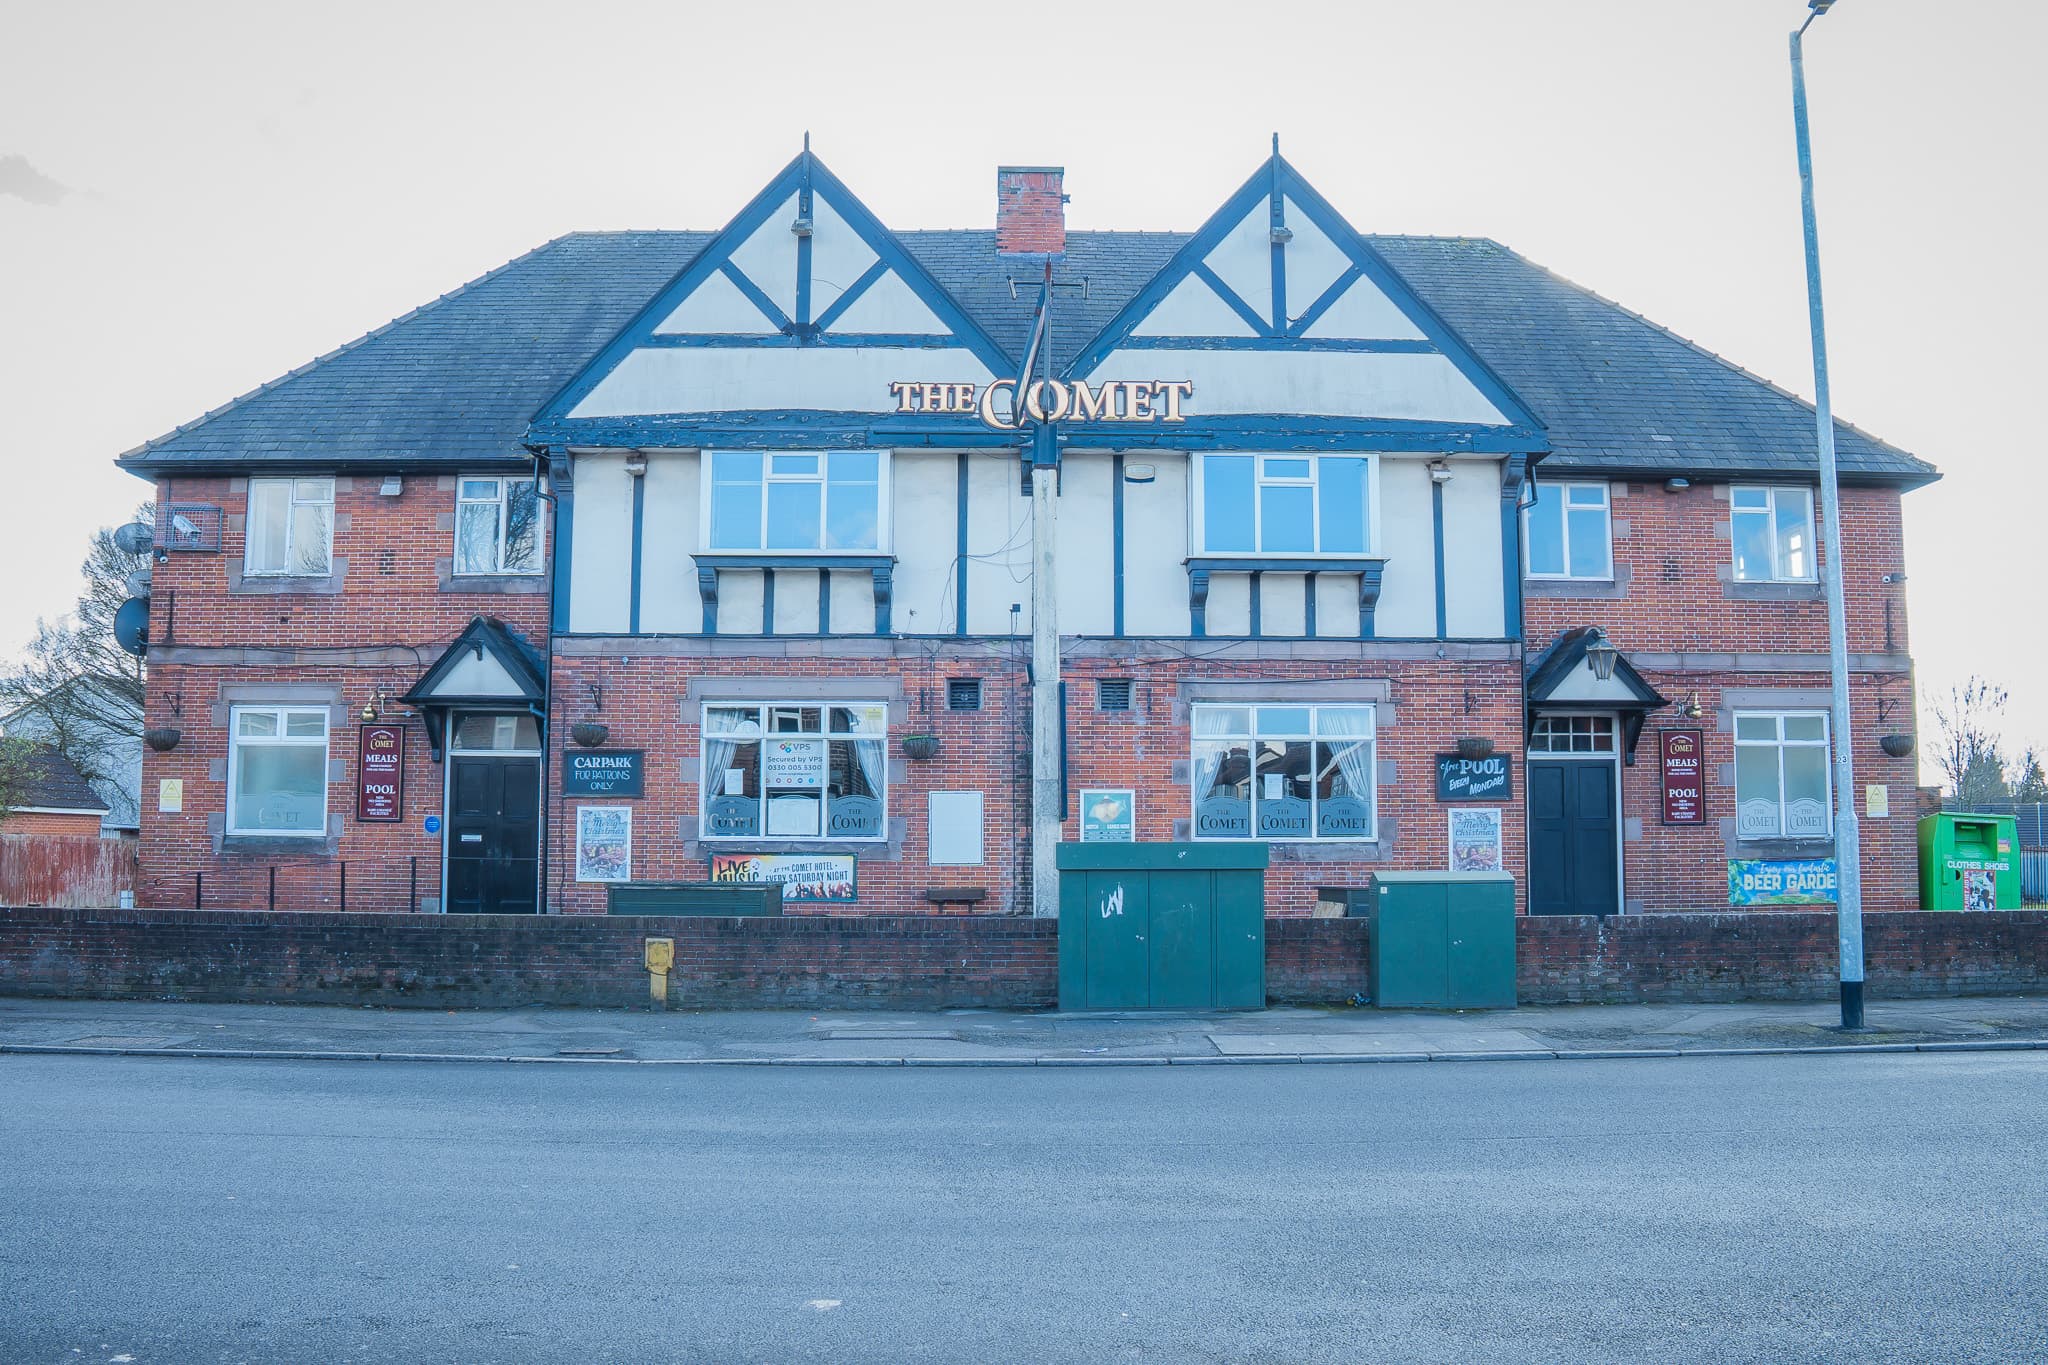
(1031, 212)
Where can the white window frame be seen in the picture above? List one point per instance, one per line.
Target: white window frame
(503, 499)
(1599, 728)
(1313, 737)
(237, 740)
(1198, 514)
(1564, 493)
(826, 734)
(1772, 492)
(883, 529)
(1779, 745)
(292, 500)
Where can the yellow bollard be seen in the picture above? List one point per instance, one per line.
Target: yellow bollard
(661, 955)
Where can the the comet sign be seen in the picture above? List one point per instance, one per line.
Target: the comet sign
(1049, 400)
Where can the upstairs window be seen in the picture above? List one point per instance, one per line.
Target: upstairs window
(1566, 532)
(1782, 788)
(497, 526)
(795, 771)
(796, 502)
(1772, 528)
(1285, 504)
(290, 528)
(1284, 772)
(277, 770)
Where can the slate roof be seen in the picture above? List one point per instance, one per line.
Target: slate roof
(53, 782)
(454, 382)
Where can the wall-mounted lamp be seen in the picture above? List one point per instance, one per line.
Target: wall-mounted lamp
(1140, 473)
(1692, 710)
(392, 486)
(1439, 471)
(1677, 485)
(1282, 234)
(1601, 654)
(636, 463)
(801, 227)
(374, 707)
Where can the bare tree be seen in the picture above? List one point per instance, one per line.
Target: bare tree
(1970, 755)
(2029, 782)
(76, 690)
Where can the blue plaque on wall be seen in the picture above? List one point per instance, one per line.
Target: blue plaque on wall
(602, 772)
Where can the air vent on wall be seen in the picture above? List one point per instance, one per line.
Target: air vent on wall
(1113, 694)
(963, 694)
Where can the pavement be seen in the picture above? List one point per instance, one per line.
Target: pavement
(1007, 1038)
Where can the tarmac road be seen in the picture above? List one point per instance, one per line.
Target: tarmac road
(1774, 1208)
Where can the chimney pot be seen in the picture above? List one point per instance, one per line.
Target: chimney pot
(1031, 211)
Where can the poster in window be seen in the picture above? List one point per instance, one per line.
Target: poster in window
(1475, 839)
(793, 763)
(604, 843)
(1684, 777)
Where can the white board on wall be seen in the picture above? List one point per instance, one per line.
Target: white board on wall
(955, 829)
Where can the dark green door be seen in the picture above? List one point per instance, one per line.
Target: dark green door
(1183, 941)
(1573, 867)
(1118, 917)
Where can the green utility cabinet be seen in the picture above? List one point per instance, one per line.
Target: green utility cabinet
(1969, 862)
(1162, 926)
(1442, 940)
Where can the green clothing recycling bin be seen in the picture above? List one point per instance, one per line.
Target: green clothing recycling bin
(1442, 940)
(1162, 926)
(1969, 862)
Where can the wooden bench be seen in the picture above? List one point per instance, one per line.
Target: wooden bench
(960, 899)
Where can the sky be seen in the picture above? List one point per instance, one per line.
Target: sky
(195, 199)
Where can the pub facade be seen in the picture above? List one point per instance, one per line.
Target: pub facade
(688, 556)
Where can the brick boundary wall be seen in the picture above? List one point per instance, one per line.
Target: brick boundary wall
(939, 962)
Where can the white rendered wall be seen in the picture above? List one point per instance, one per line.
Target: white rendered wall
(1407, 605)
(1474, 600)
(1155, 543)
(655, 380)
(998, 545)
(602, 549)
(669, 600)
(1426, 388)
(925, 517)
(1086, 545)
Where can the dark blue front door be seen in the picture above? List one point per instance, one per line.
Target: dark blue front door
(1573, 865)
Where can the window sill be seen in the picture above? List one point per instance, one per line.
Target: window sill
(1771, 591)
(286, 585)
(277, 845)
(500, 583)
(1582, 589)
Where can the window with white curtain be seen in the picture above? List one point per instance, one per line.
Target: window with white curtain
(289, 528)
(497, 526)
(1284, 771)
(1782, 785)
(795, 770)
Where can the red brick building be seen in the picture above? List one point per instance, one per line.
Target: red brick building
(675, 556)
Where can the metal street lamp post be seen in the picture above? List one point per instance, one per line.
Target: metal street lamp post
(1848, 840)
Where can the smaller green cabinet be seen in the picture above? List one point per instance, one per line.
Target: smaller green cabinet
(1162, 926)
(1442, 940)
(1969, 862)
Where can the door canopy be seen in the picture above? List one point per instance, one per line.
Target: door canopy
(1582, 669)
(490, 667)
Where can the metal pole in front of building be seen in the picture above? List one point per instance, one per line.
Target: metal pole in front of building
(1848, 840)
(1045, 678)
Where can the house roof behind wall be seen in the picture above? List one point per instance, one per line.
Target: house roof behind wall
(454, 382)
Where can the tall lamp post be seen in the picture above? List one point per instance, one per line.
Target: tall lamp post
(1848, 839)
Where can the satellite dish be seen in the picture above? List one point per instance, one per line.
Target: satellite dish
(136, 538)
(137, 583)
(131, 625)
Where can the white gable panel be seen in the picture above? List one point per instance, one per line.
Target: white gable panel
(1424, 388)
(717, 306)
(768, 258)
(1313, 262)
(474, 676)
(1244, 259)
(1192, 309)
(1364, 313)
(839, 255)
(657, 380)
(888, 305)
(1583, 684)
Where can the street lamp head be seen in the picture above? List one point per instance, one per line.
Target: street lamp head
(1820, 6)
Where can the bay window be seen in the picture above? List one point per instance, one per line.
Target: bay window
(796, 501)
(1566, 532)
(289, 528)
(794, 770)
(277, 770)
(1782, 787)
(1284, 772)
(1254, 504)
(1772, 528)
(497, 526)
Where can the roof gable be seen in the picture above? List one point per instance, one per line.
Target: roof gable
(488, 663)
(1277, 306)
(805, 302)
